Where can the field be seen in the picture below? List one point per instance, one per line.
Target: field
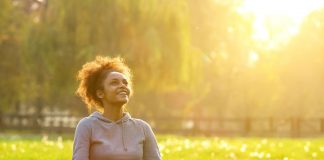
(54, 147)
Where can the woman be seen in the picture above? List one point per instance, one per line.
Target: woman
(110, 133)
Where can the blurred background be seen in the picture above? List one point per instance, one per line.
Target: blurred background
(211, 67)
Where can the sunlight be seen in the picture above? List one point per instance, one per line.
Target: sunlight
(275, 21)
(253, 58)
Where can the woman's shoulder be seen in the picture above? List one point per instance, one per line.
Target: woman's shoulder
(145, 126)
(85, 121)
(142, 122)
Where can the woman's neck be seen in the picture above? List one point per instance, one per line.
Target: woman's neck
(113, 113)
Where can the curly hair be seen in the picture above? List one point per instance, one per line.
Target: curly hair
(93, 73)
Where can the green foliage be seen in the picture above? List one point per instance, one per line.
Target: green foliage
(173, 148)
(188, 57)
(12, 64)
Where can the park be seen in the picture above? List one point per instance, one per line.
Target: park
(212, 79)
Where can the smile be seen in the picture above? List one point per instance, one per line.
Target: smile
(123, 93)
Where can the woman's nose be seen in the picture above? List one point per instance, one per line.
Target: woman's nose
(123, 85)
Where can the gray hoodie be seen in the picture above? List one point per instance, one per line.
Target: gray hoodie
(98, 138)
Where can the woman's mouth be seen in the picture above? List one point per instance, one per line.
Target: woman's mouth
(123, 93)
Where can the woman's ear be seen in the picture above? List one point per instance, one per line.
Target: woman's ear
(100, 94)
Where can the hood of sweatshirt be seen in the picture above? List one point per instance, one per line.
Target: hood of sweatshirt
(99, 116)
(125, 118)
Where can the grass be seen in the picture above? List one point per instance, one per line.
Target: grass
(55, 147)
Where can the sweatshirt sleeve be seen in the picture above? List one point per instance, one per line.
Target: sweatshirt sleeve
(150, 149)
(81, 143)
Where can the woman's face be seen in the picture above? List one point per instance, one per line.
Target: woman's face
(116, 89)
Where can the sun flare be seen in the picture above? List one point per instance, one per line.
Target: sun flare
(275, 21)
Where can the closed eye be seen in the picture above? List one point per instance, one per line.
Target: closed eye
(125, 82)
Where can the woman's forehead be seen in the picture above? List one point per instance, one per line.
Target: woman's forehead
(116, 75)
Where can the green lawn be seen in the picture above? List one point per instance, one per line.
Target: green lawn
(15, 147)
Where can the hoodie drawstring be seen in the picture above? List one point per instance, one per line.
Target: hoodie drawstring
(125, 118)
(123, 139)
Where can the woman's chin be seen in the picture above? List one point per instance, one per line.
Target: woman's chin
(123, 101)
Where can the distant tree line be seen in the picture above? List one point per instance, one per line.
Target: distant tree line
(188, 57)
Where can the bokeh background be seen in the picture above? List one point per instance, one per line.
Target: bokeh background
(197, 61)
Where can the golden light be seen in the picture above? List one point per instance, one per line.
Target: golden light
(253, 58)
(275, 21)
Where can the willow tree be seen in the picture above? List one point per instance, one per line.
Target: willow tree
(13, 87)
(153, 37)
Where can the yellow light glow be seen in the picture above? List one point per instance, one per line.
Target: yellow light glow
(275, 21)
(253, 58)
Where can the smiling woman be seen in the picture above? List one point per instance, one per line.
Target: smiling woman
(110, 133)
(275, 21)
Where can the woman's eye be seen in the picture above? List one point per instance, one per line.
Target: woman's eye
(114, 83)
(125, 82)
